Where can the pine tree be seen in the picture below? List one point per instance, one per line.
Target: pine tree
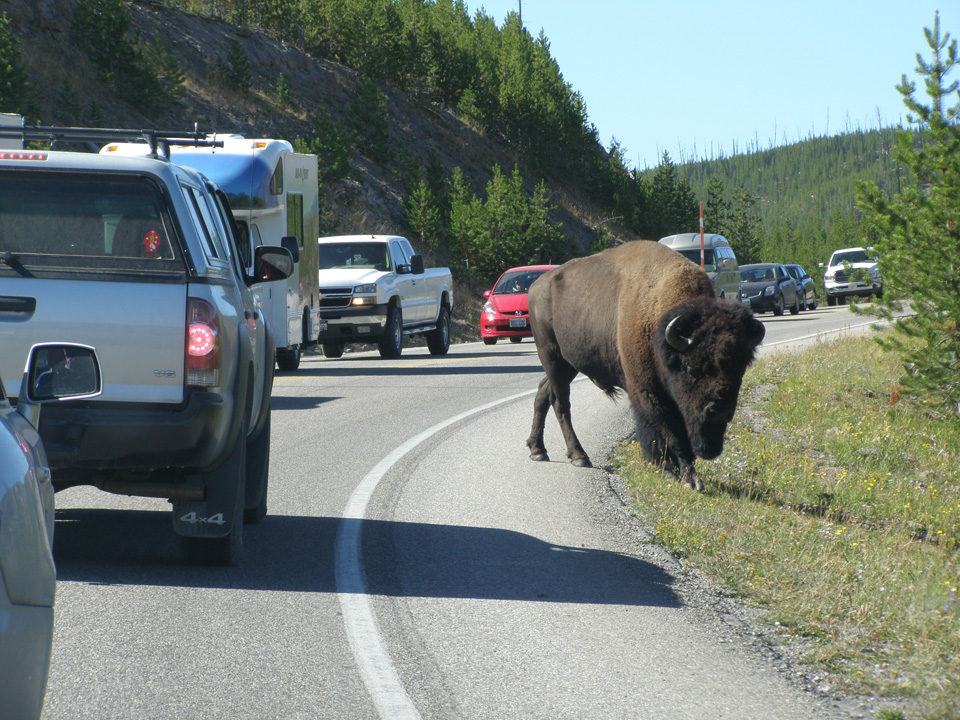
(918, 231)
(13, 77)
(716, 212)
(235, 69)
(744, 228)
(282, 91)
(423, 216)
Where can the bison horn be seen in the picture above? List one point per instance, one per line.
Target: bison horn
(674, 338)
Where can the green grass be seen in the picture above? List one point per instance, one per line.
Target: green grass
(836, 506)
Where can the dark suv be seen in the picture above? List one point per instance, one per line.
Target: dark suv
(138, 257)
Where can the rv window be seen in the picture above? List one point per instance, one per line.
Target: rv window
(295, 216)
(276, 182)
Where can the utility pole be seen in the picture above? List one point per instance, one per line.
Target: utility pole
(520, 3)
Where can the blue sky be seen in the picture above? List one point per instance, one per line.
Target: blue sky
(701, 78)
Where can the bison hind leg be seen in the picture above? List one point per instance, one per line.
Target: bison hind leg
(541, 403)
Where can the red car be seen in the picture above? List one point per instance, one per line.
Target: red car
(505, 312)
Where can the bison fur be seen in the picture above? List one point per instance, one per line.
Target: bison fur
(643, 319)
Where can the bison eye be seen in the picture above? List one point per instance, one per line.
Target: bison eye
(691, 371)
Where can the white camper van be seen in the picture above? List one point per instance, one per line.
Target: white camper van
(273, 194)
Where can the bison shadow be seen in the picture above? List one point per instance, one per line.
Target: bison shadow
(289, 553)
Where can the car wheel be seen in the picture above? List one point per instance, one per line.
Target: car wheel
(258, 474)
(779, 307)
(332, 349)
(490, 341)
(438, 341)
(831, 301)
(812, 305)
(223, 551)
(879, 293)
(842, 300)
(796, 305)
(288, 359)
(391, 342)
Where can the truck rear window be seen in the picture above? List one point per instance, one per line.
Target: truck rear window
(92, 216)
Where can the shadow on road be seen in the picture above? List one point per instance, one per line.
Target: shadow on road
(354, 370)
(287, 553)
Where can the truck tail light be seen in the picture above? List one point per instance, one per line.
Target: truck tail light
(203, 344)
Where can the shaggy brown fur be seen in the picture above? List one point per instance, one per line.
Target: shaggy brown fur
(607, 315)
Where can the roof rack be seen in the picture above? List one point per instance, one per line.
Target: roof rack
(154, 138)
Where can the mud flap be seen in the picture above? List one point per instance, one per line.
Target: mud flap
(215, 515)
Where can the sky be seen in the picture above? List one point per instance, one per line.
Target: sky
(703, 79)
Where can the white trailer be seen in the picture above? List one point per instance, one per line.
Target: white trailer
(273, 193)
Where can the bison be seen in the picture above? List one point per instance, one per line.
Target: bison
(643, 319)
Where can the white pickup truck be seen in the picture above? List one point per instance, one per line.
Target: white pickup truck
(374, 289)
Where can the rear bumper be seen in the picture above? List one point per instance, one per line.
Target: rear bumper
(192, 437)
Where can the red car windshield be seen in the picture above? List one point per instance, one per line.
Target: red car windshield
(511, 283)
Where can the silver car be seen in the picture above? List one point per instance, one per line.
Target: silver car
(28, 579)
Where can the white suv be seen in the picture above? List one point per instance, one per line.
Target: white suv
(851, 272)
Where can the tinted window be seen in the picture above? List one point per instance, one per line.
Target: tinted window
(204, 221)
(82, 215)
(709, 264)
(370, 255)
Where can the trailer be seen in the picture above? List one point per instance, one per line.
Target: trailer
(273, 193)
(274, 196)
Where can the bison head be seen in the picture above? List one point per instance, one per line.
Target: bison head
(704, 347)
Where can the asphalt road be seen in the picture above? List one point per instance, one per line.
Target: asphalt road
(414, 564)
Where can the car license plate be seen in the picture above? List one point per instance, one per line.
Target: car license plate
(323, 326)
(518, 322)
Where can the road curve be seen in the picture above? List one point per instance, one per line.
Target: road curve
(493, 587)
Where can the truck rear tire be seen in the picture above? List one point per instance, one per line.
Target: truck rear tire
(438, 341)
(288, 359)
(391, 342)
(332, 349)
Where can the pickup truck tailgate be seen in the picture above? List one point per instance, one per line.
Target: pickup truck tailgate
(136, 328)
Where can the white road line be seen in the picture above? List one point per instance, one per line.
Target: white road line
(822, 333)
(360, 623)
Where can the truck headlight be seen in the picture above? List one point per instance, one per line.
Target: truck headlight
(369, 289)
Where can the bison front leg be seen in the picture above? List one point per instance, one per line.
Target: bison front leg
(664, 448)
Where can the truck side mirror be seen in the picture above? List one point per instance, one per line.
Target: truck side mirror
(57, 372)
(271, 263)
(291, 243)
(416, 264)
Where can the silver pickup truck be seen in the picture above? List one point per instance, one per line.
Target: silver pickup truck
(138, 257)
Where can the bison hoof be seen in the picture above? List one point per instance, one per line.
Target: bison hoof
(539, 456)
(581, 462)
(693, 483)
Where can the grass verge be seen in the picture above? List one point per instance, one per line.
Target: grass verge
(835, 506)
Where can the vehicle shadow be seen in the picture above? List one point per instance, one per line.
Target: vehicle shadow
(353, 370)
(288, 553)
(297, 402)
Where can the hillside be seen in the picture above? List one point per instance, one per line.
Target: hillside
(426, 122)
(65, 88)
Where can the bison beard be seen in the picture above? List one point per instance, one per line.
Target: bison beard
(643, 319)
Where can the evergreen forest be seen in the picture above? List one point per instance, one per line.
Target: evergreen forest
(790, 203)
